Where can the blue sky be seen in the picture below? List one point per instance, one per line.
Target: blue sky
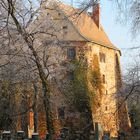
(119, 34)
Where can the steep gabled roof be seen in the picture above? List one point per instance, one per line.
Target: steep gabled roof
(86, 26)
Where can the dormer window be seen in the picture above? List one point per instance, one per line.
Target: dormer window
(71, 53)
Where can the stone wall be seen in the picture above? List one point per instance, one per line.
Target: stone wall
(64, 36)
(106, 114)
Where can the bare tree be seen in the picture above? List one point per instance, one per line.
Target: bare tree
(16, 18)
(16, 81)
(129, 12)
(20, 28)
(130, 92)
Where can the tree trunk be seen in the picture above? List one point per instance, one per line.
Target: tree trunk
(29, 41)
(24, 117)
(46, 101)
(35, 108)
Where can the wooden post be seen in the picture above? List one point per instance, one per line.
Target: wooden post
(47, 136)
(96, 131)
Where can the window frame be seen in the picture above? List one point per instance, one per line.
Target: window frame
(71, 53)
(102, 57)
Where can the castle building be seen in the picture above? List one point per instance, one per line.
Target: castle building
(70, 34)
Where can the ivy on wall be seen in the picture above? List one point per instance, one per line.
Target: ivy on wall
(79, 88)
(96, 87)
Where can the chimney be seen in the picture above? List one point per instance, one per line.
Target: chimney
(96, 14)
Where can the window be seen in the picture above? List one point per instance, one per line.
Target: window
(106, 108)
(99, 104)
(103, 79)
(71, 76)
(61, 113)
(102, 57)
(106, 92)
(65, 30)
(71, 53)
(65, 27)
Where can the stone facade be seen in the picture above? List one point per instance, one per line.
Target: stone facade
(82, 36)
